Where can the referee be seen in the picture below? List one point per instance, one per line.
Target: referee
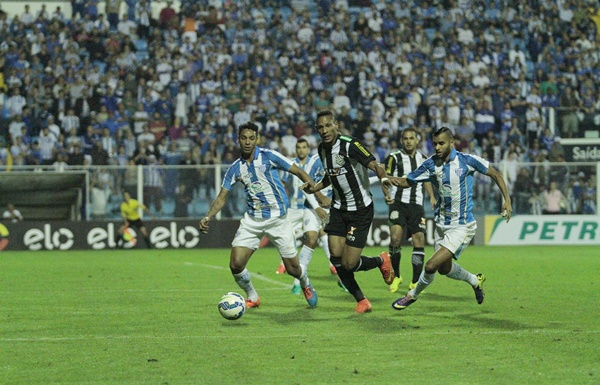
(131, 217)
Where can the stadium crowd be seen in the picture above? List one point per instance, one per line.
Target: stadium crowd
(123, 89)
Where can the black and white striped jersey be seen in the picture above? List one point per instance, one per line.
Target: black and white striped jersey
(399, 164)
(346, 166)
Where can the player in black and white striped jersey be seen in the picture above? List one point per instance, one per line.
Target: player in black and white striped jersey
(346, 163)
(406, 207)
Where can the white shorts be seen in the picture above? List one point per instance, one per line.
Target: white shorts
(303, 221)
(278, 230)
(454, 237)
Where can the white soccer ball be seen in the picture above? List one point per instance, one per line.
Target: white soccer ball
(232, 306)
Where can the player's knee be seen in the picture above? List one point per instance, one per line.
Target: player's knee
(445, 268)
(311, 240)
(395, 240)
(418, 239)
(236, 267)
(431, 267)
(348, 265)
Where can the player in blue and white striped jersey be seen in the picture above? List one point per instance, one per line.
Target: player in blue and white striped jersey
(305, 214)
(451, 173)
(266, 214)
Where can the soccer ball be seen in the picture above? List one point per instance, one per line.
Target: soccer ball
(232, 306)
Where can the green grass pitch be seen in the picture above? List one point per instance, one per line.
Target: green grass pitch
(150, 317)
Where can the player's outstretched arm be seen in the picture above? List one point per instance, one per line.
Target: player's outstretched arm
(399, 181)
(215, 207)
(300, 173)
(507, 205)
(381, 174)
(307, 188)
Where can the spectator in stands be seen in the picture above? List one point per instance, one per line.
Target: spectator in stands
(554, 200)
(588, 197)
(153, 183)
(565, 63)
(12, 214)
(569, 104)
(484, 120)
(534, 121)
(523, 191)
(168, 17)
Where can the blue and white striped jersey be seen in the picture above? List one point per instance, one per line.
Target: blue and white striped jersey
(454, 183)
(313, 167)
(265, 194)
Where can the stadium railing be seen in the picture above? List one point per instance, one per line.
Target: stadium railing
(187, 191)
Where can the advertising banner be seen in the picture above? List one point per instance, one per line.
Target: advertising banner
(543, 230)
(65, 235)
(99, 235)
(582, 152)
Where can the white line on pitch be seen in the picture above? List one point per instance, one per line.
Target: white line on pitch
(287, 336)
(253, 275)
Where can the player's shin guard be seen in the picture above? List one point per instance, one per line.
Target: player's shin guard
(304, 282)
(424, 280)
(418, 258)
(305, 255)
(347, 278)
(367, 263)
(244, 282)
(460, 274)
(325, 245)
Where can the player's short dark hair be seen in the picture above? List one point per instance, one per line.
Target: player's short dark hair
(444, 130)
(248, 126)
(302, 140)
(325, 112)
(410, 129)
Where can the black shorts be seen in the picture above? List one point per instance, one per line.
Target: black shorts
(138, 223)
(408, 215)
(353, 225)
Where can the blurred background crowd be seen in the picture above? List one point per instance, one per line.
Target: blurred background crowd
(129, 86)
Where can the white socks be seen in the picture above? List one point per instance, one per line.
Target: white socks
(243, 281)
(456, 272)
(460, 274)
(325, 245)
(305, 255)
(304, 282)
(304, 258)
(424, 280)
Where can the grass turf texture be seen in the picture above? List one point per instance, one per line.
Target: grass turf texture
(150, 317)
